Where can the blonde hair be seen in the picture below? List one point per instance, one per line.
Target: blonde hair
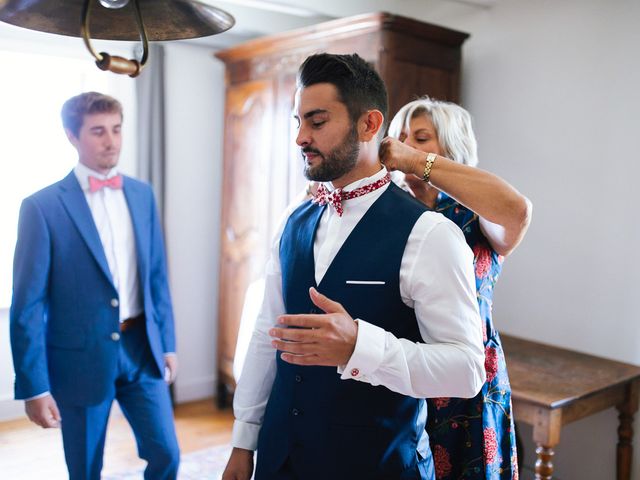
(452, 124)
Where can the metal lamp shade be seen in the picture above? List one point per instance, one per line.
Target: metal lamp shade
(163, 19)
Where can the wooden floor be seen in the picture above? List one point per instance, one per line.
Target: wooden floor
(29, 452)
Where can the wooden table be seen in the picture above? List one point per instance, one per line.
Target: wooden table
(553, 386)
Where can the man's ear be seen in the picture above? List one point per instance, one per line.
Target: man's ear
(370, 124)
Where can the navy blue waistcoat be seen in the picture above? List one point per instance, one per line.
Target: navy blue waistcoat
(333, 429)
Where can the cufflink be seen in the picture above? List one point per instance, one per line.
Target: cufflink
(355, 372)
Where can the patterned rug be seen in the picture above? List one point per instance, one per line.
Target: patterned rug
(207, 464)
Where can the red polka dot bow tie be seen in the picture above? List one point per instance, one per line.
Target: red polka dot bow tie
(323, 196)
(96, 184)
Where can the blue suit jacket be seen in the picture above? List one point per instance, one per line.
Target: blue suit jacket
(64, 308)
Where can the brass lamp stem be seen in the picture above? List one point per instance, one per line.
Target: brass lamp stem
(114, 63)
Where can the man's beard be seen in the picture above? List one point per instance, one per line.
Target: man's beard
(340, 161)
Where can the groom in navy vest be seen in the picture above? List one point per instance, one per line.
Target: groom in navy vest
(91, 316)
(369, 307)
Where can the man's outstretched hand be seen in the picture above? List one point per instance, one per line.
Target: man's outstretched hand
(326, 339)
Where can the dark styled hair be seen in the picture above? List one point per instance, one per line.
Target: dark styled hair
(359, 86)
(74, 109)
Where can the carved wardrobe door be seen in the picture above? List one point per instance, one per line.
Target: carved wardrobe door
(249, 112)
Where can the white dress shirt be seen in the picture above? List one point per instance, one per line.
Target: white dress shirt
(111, 216)
(436, 280)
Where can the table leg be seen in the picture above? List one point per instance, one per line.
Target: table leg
(544, 463)
(625, 432)
(546, 435)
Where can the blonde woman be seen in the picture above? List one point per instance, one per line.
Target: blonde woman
(433, 144)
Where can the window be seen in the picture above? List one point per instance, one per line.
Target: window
(34, 151)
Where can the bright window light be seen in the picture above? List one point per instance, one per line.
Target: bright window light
(34, 151)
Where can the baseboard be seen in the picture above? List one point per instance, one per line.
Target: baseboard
(195, 389)
(185, 391)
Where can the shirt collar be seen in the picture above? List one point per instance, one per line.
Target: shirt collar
(83, 173)
(360, 183)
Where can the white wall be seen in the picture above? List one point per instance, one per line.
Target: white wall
(9, 408)
(553, 87)
(194, 110)
(554, 90)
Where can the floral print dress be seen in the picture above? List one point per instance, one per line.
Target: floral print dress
(475, 438)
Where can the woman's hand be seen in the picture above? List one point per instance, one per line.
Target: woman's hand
(395, 155)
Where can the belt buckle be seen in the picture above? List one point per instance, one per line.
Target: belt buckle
(130, 322)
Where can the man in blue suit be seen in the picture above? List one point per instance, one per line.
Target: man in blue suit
(91, 315)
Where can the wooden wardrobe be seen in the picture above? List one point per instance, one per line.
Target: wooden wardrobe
(262, 163)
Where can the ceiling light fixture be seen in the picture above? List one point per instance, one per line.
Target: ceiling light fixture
(143, 20)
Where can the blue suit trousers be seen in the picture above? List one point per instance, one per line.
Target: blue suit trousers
(144, 399)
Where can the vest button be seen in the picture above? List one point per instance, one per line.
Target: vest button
(355, 372)
(115, 336)
(295, 412)
(298, 378)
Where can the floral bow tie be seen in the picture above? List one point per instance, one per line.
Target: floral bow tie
(323, 196)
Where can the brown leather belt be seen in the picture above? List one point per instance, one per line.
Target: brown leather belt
(132, 322)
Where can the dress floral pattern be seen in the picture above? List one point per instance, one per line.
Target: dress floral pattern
(474, 439)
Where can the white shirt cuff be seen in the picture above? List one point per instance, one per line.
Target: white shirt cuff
(35, 397)
(245, 435)
(170, 354)
(368, 354)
